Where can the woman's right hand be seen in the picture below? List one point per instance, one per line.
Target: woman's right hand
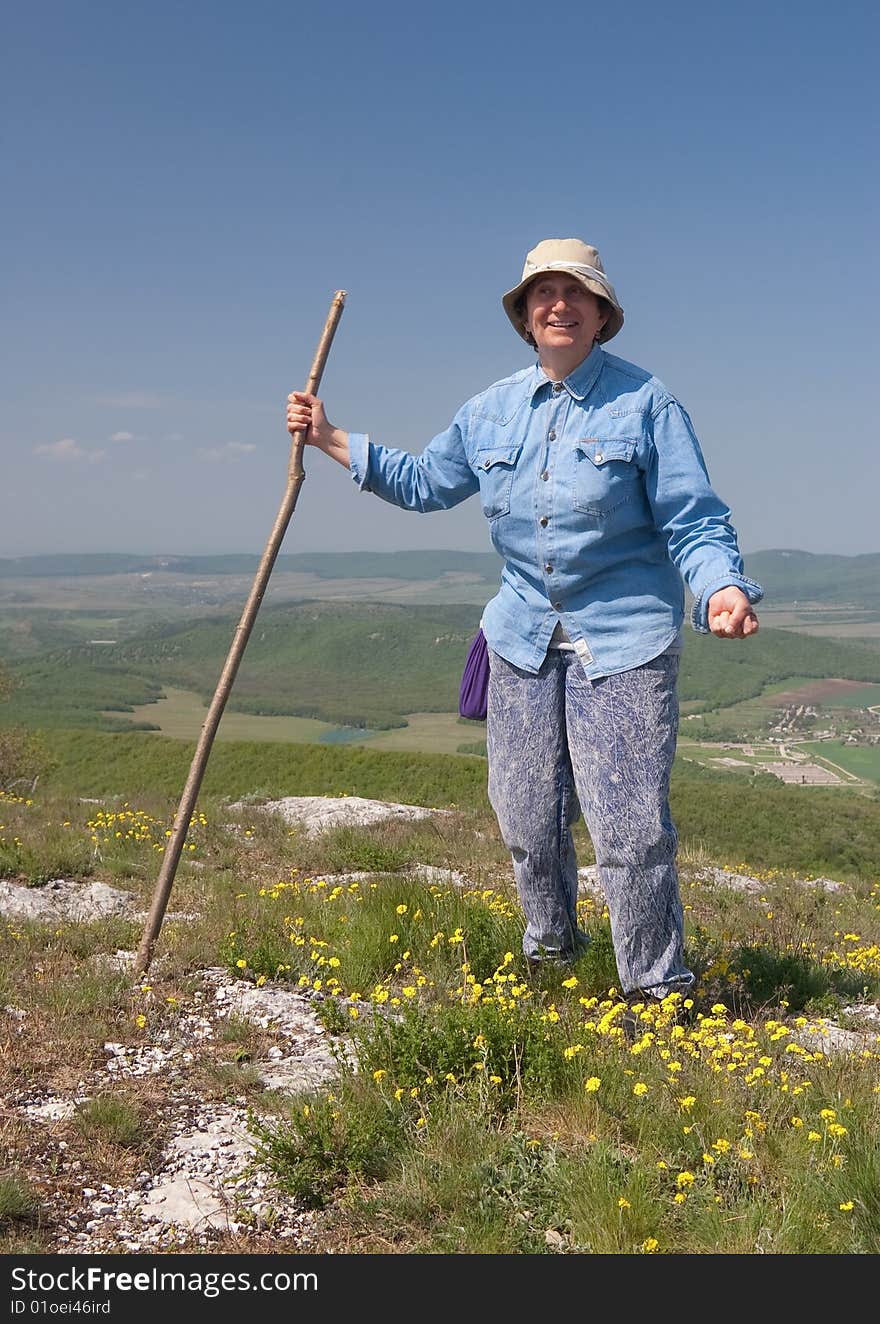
(305, 413)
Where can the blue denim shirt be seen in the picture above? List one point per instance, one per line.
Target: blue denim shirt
(598, 500)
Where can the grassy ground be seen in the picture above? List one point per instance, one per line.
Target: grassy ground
(867, 696)
(756, 819)
(491, 1112)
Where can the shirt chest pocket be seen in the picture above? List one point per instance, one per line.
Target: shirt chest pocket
(495, 467)
(606, 475)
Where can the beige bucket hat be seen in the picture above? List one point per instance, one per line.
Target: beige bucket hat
(583, 262)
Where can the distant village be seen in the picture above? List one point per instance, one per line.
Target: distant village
(860, 726)
(780, 750)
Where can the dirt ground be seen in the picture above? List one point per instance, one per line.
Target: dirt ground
(819, 691)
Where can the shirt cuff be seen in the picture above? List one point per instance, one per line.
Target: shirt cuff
(359, 459)
(700, 610)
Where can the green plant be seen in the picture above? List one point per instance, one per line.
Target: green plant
(18, 1200)
(348, 849)
(111, 1119)
(509, 1050)
(326, 1141)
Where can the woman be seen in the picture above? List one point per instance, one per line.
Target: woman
(597, 497)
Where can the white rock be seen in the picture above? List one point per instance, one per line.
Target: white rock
(63, 899)
(187, 1201)
(432, 873)
(317, 813)
(53, 1110)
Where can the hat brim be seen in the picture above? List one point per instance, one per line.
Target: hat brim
(512, 298)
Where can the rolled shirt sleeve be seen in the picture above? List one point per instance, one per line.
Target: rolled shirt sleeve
(701, 539)
(437, 479)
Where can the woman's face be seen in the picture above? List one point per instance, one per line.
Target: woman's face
(563, 317)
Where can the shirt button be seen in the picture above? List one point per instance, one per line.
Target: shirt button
(557, 606)
(557, 387)
(544, 476)
(599, 457)
(549, 569)
(543, 521)
(551, 435)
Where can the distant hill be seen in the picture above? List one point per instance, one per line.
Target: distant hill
(361, 664)
(786, 575)
(407, 565)
(802, 577)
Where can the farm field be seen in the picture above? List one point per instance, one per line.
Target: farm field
(742, 757)
(436, 733)
(826, 621)
(863, 632)
(181, 713)
(830, 693)
(794, 762)
(860, 760)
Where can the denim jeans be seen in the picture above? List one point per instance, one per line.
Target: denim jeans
(560, 743)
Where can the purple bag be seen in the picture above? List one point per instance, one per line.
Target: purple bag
(475, 680)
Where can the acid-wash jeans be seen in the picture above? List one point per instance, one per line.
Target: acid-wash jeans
(559, 743)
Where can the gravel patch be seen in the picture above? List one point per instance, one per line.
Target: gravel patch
(207, 1181)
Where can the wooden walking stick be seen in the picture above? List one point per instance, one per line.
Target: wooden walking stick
(295, 476)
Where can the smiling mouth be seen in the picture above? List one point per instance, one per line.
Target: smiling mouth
(562, 326)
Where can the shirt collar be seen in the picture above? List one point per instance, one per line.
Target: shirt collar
(581, 381)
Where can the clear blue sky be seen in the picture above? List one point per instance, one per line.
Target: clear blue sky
(186, 185)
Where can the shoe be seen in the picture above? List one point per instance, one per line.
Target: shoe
(631, 1020)
(560, 959)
